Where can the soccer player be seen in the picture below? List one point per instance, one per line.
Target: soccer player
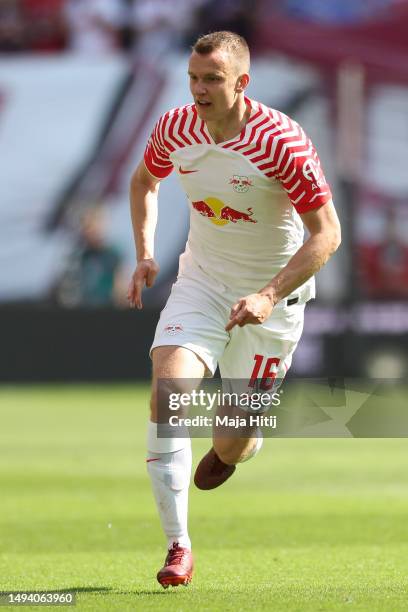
(253, 179)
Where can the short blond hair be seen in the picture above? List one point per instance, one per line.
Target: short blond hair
(234, 44)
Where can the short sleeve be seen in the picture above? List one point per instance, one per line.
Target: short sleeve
(156, 156)
(300, 172)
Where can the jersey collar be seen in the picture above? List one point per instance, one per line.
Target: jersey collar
(234, 139)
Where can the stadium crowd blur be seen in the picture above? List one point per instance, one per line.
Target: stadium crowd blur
(103, 26)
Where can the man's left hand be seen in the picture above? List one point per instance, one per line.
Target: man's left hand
(253, 309)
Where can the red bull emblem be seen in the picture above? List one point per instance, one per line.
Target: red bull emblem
(203, 208)
(221, 214)
(240, 184)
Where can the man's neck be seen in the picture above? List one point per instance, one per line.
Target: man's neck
(232, 124)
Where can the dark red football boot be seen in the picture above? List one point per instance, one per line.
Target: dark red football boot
(211, 472)
(178, 567)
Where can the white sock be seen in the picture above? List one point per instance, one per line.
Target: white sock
(169, 466)
(257, 446)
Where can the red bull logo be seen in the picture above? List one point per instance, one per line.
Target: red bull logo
(221, 214)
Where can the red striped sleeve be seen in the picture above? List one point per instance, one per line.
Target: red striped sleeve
(156, 156)
(297, 166)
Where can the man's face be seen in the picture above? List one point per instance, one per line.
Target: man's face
(214, 83)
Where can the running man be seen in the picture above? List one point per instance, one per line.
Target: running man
(253, 180)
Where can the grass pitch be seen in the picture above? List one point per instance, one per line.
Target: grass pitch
(308, 525)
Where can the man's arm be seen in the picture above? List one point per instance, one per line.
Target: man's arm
(325, 237)
(144, 189)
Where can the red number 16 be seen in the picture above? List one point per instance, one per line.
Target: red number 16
(268, 376)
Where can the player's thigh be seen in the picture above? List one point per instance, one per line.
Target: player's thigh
(194, 319)
(263, 351)
(189, 339)
(175, 370)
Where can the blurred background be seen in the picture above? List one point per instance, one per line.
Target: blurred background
(82, 83)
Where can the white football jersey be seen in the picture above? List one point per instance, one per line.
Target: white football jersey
(245, 194)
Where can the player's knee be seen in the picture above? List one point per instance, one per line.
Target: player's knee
(165, 398)
(153, 408)
(176, 371)
(176, 362)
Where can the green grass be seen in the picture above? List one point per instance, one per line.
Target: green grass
(310, 524)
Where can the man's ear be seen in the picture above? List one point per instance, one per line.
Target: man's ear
(242, 83)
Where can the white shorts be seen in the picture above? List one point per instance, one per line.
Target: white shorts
(195, 317)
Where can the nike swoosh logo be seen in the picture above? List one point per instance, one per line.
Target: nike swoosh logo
(186, 171)
(148, 460)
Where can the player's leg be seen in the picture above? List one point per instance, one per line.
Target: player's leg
(219, 463)
(189, 339)
(169, 461)
(268, 347)
(228, 449)
(245, 442)
(257, 351)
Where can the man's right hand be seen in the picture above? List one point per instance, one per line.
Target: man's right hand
(145, 274)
